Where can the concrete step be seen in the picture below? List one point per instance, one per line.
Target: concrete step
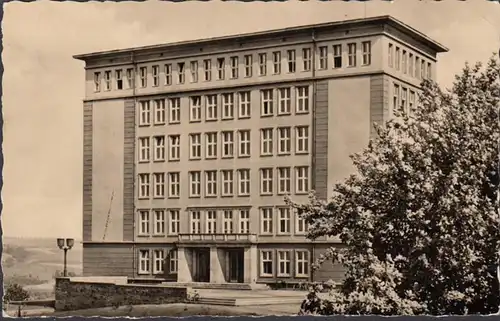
(217, 301)
(220, 286)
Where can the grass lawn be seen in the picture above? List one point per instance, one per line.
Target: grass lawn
(173, 310)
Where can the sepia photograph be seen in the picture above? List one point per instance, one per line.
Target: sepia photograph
(227, 158)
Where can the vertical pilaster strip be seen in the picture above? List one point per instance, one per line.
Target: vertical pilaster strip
(321, 140)
(87, 171)
(128, 170)
(379, 101)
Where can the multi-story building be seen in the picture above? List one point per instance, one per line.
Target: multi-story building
(190, 147)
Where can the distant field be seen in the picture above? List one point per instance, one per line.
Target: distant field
(33, 263)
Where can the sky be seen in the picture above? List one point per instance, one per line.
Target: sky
(43, 86)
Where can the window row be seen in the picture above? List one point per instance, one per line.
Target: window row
(227, 144)
(222, 68)
(279, 263)
(404, 100)
(157, 261)
(226, 106)
(225, 183)
(409, 63)
(273, 221)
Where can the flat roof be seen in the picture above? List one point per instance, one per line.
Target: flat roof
(276, 32)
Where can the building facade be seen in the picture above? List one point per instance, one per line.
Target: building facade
(190, 147)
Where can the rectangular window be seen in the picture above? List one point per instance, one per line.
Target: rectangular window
(194, 71)
(244, 110)
(283, 263)
(143, 186)
(244, 143)
(301, 264)
(211, 145)
(337, 56)
(397, 57)
(227, 144)
(107, 80)
(351, 55)
(367, 52)
(159, 107)
(266, 142)
(195, 109)
(207, 69)
(143, 223)
(267, 102)
(159, 185)
(284, 180)
(411, 103)
(266, 181)
(227, 106)
(284, 101)
(306, 59)
(323, 57)
(227, 182)
(395, 97)
(277, 62)
(174, 222)
(411, 60)
(168, 74)
(181, 73)
(301, 179)
(158, 259)
(243, 182)
(234, 67)
(195, 146)
(248, 65)
(144, 262)
(159, 222)
(404, 62)
(145, 113)
(210, 183)
(302, 140)
(262, 64)
(244, 220)
(390, 55)
(211, 222)
(195, 227)
(284, 220)
(118, 79)
(429, 71)
(211, 106)
(404, 100)
(174, 147)
(266, 263)
(284, 140)
(174, 182)
(97, 82)
(301, 226)
(156, 75)
(159, 148)
(290, 54)
(417, 68)
(302, 100)
(266, 220)
(175, 110)
(228, 222)
(422, 69)
(143, 71)
(221, 66)
(130, 78)
(194, 184)
(173, 262)
(144, 149)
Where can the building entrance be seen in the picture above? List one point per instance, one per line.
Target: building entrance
(201, 265)
(236, 265)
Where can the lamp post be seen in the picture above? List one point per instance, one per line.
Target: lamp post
(65, 245)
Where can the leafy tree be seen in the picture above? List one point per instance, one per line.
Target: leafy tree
(15, 292)
(419, 218)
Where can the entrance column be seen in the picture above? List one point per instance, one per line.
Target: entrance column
(183, 270)
(216, 272)
(251, 261)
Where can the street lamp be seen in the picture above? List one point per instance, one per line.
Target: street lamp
(65, 245)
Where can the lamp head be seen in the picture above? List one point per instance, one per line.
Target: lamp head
(70, 243)
(60, 243)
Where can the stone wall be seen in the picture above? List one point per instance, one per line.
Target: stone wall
(77, 295)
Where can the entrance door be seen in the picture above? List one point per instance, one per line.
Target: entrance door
(202, 265)
(236, 265)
